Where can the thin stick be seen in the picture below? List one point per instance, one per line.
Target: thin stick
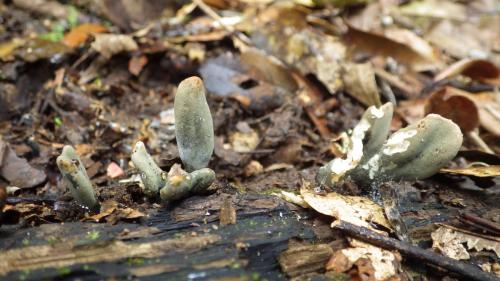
(480, 142)
(468, 271)
(211, 13)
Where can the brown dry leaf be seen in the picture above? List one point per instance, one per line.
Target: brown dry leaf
(268, 68)
(354, 209)
(7, 48)
(226, 75)
(359, 81)
(110, 44)
(84, 149)
(136, 64)
(412, 110)
(451, 241)
(476, 39)
(111, 211)
(478, 171)
(488, 105)
(480, 70)
(489, 111)
(133, 14)
(79, 35)
(17, 171)
(434, 9)
(282, 30)
(39, 49)
(401, 44)
(455, 106)
(253, 168)
(385, 264)
(244, 142)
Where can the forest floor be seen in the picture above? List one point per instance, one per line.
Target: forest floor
(286, 82)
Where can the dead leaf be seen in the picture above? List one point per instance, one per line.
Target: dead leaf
(359, 81)
(133, 14)
(17, 171)
(385, 264)
(244, 142)
(434, 9)
(79, 35)
(451, 243)
(136, 64)
(226, 76)
(476, 69)
(354, 209)
(112, 211)
(282, 31)
(110, 44)
(253, 168)
(455, 106)
(478, 171)
(401, 44)
(7, 48)
(38, 49)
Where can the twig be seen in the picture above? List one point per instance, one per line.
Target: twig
(468, 271)
(486, 223)
(211, 13)
(479, 142)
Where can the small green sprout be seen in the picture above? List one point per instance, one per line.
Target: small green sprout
(73, 171)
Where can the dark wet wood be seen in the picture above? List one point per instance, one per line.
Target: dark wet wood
(194, 249)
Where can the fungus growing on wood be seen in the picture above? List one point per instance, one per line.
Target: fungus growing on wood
(73, 171)
(412, 153)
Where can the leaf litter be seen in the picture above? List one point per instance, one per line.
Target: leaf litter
(285, 83)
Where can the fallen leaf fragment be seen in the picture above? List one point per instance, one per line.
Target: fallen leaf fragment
(136, 64)
(434, 9)
(476, 69)
(244, 142)
(400, 44)
(7, 48)
(111, 44)
(353, 209)
(111, 211)
(455, 106)
(114, 171)
(455, 243)
(383, 265)
(17, 171)
(359, 81)
(478, 171)
(292, 198)
(79, 35)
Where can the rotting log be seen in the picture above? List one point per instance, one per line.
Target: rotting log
(160, 248)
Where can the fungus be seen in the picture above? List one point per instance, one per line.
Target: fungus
(412, 153)
(73, 171)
